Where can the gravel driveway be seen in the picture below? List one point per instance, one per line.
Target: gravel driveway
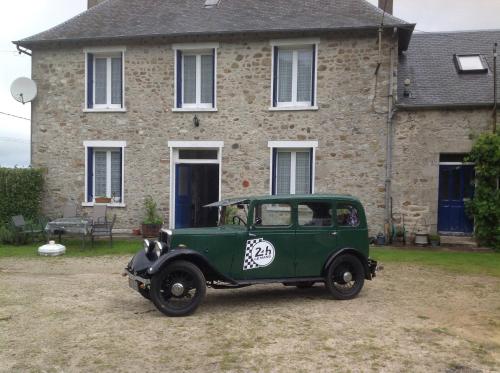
(79, 315)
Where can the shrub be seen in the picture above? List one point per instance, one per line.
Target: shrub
(151, 212)
(485, 207)
(6, 235)
(20, 193)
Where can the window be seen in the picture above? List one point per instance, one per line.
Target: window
(195, 77)
(105, 84)
(294, 75)
(347, 215)
(104, 166)
(315, 214)
(272, 215)
(471, 63)
(292, 167)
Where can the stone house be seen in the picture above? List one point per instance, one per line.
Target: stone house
(199, 100)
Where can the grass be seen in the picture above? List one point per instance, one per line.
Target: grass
(74, 249)
(459, 262)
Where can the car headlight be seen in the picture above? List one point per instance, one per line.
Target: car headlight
(147, 246)
(159, 246)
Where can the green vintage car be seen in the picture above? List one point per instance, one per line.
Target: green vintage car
(295, 240)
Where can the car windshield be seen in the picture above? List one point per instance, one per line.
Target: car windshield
(234, 214)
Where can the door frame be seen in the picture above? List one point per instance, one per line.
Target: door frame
(174, 147)
(445, 233)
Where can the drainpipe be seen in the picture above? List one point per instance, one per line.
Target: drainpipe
(495, 89)
(389, 149)
(20, 50)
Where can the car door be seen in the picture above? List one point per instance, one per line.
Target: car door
(269, 249)
(315, 237)
(352, 232)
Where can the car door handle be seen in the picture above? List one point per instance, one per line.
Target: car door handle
(333, 233)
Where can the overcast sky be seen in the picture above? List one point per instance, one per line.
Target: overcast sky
(19, 19)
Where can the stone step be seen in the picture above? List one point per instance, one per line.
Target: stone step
(458, 241)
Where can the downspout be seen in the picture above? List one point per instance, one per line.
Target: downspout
(23, 51)
(389, 144)
(20, 50)
(495, 89)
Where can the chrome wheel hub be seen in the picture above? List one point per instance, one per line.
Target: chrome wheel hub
(347, 277)
(177, 289)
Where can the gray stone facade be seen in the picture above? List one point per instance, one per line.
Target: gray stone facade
(349, 125)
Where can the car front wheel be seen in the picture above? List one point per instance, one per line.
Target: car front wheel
(345, 277)
(178, 289)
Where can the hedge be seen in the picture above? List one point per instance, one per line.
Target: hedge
(20, 193)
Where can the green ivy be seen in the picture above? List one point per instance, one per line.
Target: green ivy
(20, 193)
(485, 207)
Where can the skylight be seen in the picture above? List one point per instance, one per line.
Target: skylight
(471, 63)
(211, 3)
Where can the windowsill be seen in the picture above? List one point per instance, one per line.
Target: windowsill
(111, 110)
(294, 108)
(193, 110)
(115, 205)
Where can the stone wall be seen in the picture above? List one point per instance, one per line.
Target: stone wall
(420, 137)
(349, 125)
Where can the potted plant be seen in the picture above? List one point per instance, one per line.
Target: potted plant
(435, 240)
(152, 222)
(102, 199)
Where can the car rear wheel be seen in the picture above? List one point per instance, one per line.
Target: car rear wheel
(179, 289)
(345, 277)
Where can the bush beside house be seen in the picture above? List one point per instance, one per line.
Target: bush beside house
(485, 207)
(20, 194)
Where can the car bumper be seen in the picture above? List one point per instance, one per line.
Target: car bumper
(373, 267)
(136, 271)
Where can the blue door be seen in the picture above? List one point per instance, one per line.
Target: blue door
(456, 184)
(183, 196)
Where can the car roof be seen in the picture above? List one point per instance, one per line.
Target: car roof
(288, 197)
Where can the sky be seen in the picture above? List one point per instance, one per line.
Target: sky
(19, 19)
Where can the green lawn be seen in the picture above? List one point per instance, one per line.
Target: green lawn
(73, 248)
(460, 262)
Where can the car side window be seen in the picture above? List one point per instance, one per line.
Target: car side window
(315, 214)
(272, 215)
(347, 215)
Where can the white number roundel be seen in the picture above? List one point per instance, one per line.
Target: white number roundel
(263, 253)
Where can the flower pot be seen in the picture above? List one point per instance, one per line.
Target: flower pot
(421, 239)
(136, 232)
(102, 200)
(151, 230)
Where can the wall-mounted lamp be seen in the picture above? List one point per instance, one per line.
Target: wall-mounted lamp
(407, 91)
(196, 121)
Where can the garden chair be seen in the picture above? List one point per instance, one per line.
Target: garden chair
(22, 229)
(102, 228)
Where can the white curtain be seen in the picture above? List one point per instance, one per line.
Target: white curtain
(116, 81)
(303, 173)
(304, 75)
(207, 79)
(189, 79)
(283, 165)
(116, 174)
(100, 173)
(285, 73)
(100, 81)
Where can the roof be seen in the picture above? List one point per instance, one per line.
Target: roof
(286, 197)
(138, 19)
(429, 63)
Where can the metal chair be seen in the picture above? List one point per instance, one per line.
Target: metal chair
(102, 228)
(22, 229)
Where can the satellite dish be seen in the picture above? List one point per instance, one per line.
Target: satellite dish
(23, 90)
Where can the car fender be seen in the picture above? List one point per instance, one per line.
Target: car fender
(209, 270)
(356, 253)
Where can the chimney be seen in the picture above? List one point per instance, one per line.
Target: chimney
(92, 3)
(387, 4)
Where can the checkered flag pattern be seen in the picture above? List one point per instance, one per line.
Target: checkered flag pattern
(248, 262)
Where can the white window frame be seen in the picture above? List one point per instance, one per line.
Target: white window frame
(293, 147)
(195, 49)
(107, 146)
(107, 53)
(295, 45)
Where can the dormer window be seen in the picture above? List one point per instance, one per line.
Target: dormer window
(471, 63)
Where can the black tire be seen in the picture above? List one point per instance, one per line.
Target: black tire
(305, 285)
(194, 288)
(335, 280)
(145, 293)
